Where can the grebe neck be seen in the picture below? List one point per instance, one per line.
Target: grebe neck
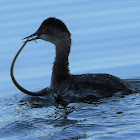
(61, 64)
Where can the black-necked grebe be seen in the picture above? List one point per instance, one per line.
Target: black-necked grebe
(72, 88)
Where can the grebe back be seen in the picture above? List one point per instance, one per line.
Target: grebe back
(68, 87)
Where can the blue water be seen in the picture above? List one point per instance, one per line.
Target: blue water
(105, 38)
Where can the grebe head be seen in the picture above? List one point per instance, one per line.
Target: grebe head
(52, 30)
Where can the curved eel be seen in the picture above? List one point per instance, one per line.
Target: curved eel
(43, 92)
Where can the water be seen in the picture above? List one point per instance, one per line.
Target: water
(105, 40)
(33, 118)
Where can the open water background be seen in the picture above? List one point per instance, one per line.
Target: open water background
(106, 39)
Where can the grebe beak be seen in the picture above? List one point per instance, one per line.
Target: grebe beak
(32, 37)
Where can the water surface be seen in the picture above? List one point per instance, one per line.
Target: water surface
(105, 40)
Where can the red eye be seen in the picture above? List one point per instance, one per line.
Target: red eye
(43, 31)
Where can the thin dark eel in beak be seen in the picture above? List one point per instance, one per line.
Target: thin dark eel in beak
(38, 93)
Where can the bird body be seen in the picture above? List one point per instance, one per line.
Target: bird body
(68, 87)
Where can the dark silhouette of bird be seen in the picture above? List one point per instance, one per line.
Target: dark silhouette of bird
(67, 87)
